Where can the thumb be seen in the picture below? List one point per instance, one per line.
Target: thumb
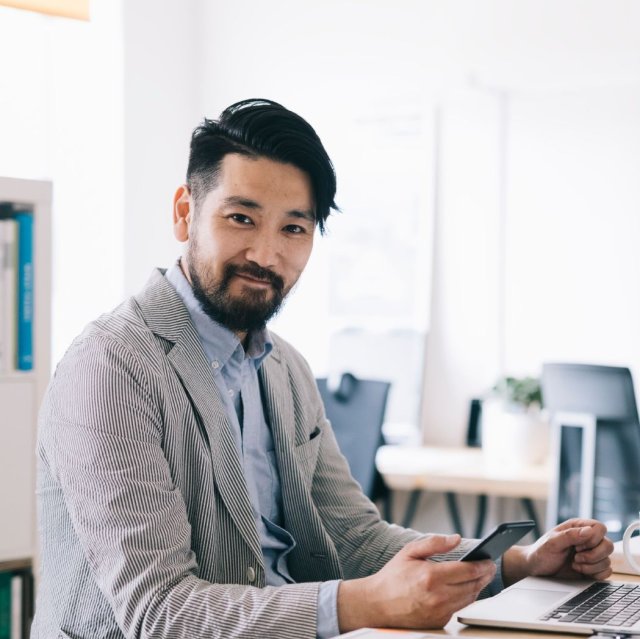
(432, 545)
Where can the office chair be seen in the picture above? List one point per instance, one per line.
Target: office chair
(596, 442)
(356, 411)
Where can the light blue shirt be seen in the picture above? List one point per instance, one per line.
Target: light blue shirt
(235, 373)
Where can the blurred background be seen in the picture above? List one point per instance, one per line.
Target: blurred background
(488, 163)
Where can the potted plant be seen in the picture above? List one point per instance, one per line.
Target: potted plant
(519, 394)
(514, 428)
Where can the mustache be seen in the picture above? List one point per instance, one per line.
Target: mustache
(254, 270)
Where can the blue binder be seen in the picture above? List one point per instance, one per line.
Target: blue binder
(25, 290)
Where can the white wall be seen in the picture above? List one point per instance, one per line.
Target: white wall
(573, 262)
(163, 81)
(462, 351)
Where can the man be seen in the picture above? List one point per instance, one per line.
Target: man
(189, 482)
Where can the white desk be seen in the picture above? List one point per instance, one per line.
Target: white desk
(459, 470)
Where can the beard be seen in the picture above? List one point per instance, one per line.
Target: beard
(248, 311)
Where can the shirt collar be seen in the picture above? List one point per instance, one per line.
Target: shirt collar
(218, 341)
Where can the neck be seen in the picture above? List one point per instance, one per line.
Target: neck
(185, 271)
(243, 336)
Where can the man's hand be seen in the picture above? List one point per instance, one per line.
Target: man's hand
(410, 592)
(573, 549)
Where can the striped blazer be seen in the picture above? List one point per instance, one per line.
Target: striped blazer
(145, 521)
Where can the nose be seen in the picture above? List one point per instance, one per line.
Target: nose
(264, 250)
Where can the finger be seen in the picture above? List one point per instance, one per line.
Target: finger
(455, 573)
(585, 537)
(455, 597)
(605, 547)
(592, 538)
(598, 571)
(467, 592)
(596, 561)
(592, 555)
(576, 522)
(591, 567)
(590, 535)
(432, 545)
(605, 574)
(487, 579)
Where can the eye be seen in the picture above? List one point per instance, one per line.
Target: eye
(241, 219)
(295, 229)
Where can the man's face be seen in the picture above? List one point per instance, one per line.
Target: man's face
(250, 240)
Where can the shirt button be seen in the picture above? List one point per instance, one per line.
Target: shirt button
(231, 392)
(215, 363)
(251, 574)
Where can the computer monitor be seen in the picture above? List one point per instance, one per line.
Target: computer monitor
(596, 444)
(573, 446)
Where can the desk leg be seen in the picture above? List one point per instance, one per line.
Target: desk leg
(531, 512)
(412, 506)
(452, 506)
(454, 513)
(481, 516)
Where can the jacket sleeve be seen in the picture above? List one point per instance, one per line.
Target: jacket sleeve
(101, 439)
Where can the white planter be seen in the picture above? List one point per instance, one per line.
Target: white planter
(513, 437)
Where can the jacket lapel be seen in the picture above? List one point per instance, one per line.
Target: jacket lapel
(314, 557)
(167, 316)
(278, 404)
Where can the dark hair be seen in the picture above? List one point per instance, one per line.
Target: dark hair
(262, 128)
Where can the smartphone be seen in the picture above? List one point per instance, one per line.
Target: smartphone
(498, 540)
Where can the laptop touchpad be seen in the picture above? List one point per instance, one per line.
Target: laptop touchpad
(519, 604)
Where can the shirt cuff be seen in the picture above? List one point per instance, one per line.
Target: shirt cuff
(327, 625)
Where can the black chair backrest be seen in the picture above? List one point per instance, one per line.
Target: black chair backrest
(356, 411)
(606, 393)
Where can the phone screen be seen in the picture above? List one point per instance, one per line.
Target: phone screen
(499, 540)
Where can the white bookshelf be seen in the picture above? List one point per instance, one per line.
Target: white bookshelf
(21, 392)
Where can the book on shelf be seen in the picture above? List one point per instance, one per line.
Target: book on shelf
(11, 606)
(24, 218)
(5, 605)
(17, 608)
(16, 288)
(9, 289)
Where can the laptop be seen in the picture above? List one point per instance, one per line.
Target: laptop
(580, 607)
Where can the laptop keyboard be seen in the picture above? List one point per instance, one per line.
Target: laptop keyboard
(458, 552)
(602, 604)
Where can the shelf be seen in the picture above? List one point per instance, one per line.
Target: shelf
(11, 565)
(19, 376)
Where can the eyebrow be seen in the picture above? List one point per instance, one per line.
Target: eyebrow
(245, 202)
(238, 200)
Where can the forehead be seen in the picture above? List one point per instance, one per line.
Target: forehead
(264, 180)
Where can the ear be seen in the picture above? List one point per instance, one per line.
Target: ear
(182, 213)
